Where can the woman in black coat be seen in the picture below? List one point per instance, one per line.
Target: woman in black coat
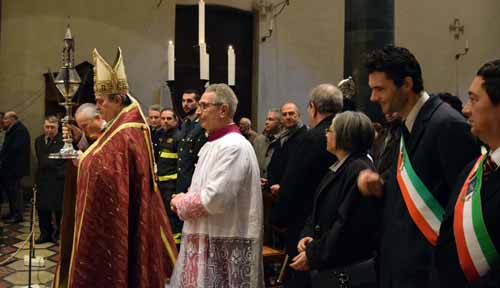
(340, 236)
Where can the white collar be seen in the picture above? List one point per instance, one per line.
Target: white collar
(495, 156)
(412, 116)
(336, 166)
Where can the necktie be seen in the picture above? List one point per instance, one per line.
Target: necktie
(488, 166)
(405, 132)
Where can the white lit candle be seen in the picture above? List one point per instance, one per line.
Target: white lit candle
(201, 21)
(171, 61)
(231, 66)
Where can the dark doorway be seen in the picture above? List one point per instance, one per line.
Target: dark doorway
(224, 26)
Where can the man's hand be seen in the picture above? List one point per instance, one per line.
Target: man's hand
(370, 183)
(176, 198)
(301, 247)
(300, 262)
(275, 189)
(263, 182)
(75, 132)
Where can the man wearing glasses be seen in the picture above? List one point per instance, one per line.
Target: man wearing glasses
(222, 211)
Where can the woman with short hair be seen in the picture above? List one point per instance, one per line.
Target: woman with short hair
(340, 236)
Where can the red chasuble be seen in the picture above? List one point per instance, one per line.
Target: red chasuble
(122, 235)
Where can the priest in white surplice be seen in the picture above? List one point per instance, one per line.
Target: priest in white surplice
(222, 210)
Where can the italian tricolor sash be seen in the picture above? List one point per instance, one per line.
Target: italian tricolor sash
(424, 209)
(476, 251)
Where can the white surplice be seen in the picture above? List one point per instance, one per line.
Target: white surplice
(222, 234)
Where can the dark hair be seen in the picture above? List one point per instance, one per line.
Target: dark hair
(397, 63)
(453, 101)
(52, 119)
(197, 95)
(173, 112)
(490, 72)
(125, 100)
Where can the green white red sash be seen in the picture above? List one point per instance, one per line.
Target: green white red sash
(476, 251)
(424, 209)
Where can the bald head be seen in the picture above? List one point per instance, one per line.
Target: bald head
(290, 115)
(9, 119)
(245, 125)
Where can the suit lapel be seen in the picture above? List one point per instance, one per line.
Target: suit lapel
(419, 126)
(492, 186)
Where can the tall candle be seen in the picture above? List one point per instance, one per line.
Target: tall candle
(201, 21)
(207, 66)
(203, 61)
(171, 61)
(231, 66)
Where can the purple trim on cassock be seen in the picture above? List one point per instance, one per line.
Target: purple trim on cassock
(231, 128)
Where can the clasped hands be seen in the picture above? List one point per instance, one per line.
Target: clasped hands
(176, 198)
(300, 262)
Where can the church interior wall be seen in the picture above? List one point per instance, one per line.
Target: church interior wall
(423, 27)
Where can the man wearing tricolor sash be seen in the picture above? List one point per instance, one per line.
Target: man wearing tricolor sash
(467, 253)
(435, 145)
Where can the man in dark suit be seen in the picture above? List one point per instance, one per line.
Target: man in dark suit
(455, 270)
(307, 166)
(285, 145)
(192, 138)
(437, 145)
(49, 180)
(14, 164)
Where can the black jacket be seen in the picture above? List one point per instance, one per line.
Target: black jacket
(449, 270)
(282, 154)
(16, 152)
(307, 166)
(49, 174)
(344, 224)
(439, 146)
(192, 138)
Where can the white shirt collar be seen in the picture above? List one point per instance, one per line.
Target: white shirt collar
(495, 156)
(412, 116)
(336, 166)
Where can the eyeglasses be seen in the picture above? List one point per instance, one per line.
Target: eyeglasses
(204, 106)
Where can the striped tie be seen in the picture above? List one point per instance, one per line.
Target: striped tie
(488, 167)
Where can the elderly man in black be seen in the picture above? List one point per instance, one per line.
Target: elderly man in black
(49, 180)
(14, 164)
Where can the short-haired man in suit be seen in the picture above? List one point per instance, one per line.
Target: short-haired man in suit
(465, 228)
(435, 145)
(15, 163)
(49, 180)
(307, 166)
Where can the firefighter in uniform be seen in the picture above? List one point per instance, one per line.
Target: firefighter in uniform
(166, 160)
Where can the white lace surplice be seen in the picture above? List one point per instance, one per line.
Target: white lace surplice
(222, 234)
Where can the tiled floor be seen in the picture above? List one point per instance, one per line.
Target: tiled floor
(15, 273)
